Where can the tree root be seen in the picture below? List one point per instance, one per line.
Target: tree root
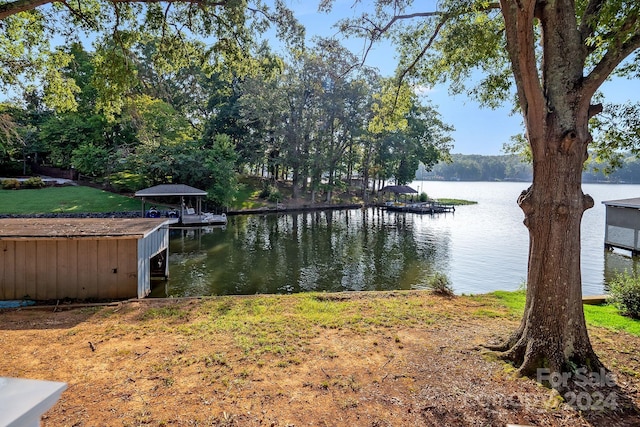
(545, 362)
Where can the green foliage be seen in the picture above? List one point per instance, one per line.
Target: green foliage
(456, 202)
(91, 160)
(270, 192)
(33, 182)
(440, 284)
(10, 184)
(390, 107)
(423, 197)
(220, 161)
(127, 182)
(625, 294)
(119, 29)
(66, 133)
(274, 196)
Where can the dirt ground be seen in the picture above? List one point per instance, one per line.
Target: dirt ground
(189, 363)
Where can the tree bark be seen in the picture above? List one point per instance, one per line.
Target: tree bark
(553, 331)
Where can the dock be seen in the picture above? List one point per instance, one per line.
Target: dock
(594, 299)
(198, 220)
(430, 207)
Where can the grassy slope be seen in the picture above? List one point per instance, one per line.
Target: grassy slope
(64, 199)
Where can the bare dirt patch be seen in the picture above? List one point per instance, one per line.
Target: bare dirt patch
(384, 359)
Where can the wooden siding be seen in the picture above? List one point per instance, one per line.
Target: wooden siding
(46, 269)
(46, 258)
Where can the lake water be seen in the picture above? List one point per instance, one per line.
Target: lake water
(480, 247)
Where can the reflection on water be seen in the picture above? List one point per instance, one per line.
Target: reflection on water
(368, 249)
(481, 247)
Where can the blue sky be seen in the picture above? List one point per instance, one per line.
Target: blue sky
(478, 130)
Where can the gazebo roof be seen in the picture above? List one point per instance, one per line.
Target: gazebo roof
(165, 190)
(398, 189)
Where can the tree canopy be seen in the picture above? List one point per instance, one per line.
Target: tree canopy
(136, 109)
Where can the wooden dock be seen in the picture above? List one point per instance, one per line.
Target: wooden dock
(594, 299)
(420, 208)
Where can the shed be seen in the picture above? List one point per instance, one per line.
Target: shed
(81, 258)
(623, 224)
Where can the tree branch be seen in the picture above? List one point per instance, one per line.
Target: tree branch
(589, 19)
(521, 48)
(11, 8)
(608, 63)
(78, 13)
(436, 31)
(397, 18)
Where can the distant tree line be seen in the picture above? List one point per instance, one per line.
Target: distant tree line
(464, 167)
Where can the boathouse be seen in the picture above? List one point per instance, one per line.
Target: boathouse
(622, 224)
(81, 258)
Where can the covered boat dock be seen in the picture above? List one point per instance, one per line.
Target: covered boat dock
(184, 215)
(411, 206)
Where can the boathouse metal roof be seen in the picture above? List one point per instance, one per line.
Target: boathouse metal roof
(398, 189)
(164, 190)
(624, 203)
(53, 228)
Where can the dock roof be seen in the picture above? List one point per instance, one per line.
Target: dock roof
(624, 203)
(398, 189)
(49, 228)
(164, 190)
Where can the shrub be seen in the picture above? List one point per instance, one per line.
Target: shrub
(624, 291)
(10, 184)
(33, 182)
(424, 197)
(271, 193)
(274, 196)
(264, 193)
(439, 284)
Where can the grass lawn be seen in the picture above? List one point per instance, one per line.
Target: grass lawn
(405, 358)
(74, 199)
(605, 316)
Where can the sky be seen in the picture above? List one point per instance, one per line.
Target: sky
(477, 130)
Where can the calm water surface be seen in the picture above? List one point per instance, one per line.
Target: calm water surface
(480, 247)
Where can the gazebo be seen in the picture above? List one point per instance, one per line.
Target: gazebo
(398, 189)
(174, 190)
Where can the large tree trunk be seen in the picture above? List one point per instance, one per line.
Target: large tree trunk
(555, 105)
(553, 333)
